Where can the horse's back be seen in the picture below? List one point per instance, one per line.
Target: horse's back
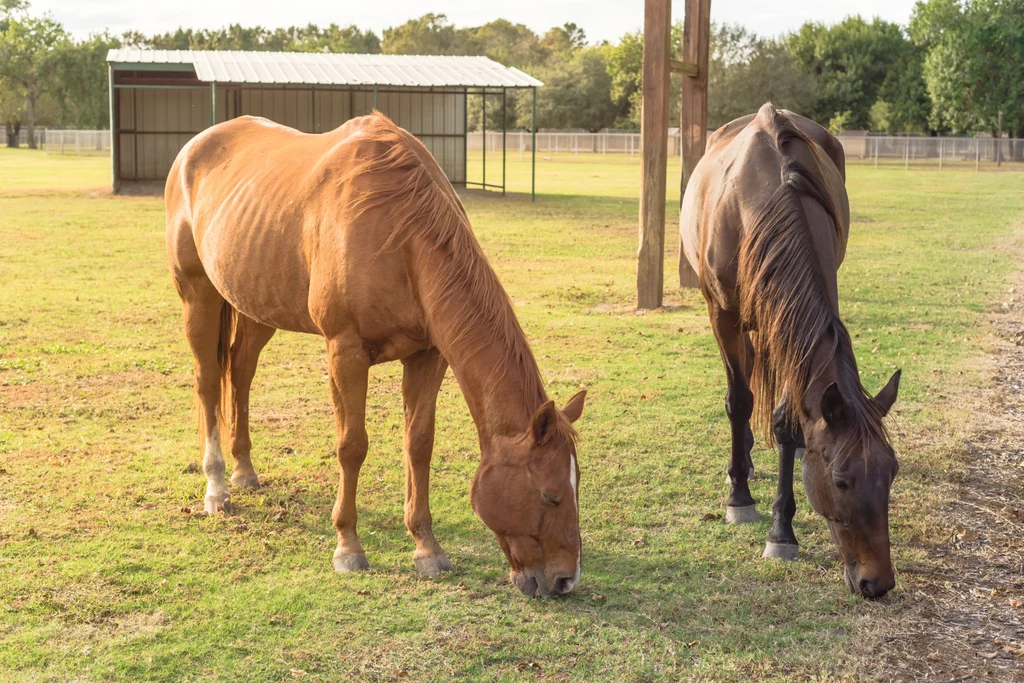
(738, 174)
(267, 210)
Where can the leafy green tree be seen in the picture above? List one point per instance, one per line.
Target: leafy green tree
(29, 55)
(80, 88)
(431, 34)
(625, 67)
(850, 61)
(975, 63)
(576, 92)
(745, 71)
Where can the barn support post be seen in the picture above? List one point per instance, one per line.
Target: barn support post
(483, 136)
(213, 103)
(654, 149)
(693, 110)
(533, 149)
(504, 140)
(113, 129)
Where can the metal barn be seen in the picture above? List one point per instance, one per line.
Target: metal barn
(160, 99)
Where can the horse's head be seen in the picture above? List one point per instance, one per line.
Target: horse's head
(527, 492)
(848, 470)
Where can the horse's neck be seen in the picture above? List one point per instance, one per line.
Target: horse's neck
(493, 364)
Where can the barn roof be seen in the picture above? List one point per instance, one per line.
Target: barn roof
(315, 68)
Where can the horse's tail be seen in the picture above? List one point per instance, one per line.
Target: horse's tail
(228, 336)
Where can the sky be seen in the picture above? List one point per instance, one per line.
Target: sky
(601, 19)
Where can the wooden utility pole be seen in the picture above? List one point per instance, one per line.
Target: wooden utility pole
(650, 276)
(693, 112)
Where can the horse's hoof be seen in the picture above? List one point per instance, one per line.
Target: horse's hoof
(780, 551)
(217, 504)
(245, 481)
(742, 515)
(350, 562)
(429, 567)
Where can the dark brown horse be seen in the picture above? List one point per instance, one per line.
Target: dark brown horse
(356, 235)
(764, 225)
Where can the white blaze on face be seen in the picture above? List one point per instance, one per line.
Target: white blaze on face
(576, 506)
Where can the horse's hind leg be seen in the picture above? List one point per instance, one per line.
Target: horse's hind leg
(421, 381)
(349, 368)
(250, 338)
(782, 541)
(204, 310)
(739, 405)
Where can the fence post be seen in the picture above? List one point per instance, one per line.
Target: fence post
(906, 154)
(876, 154)
(940, 153)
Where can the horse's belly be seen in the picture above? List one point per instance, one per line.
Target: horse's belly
(263, 274)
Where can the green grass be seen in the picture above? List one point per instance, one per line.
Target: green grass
(104, 577)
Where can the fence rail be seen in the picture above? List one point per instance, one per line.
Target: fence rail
(77, 142)
(876, 150)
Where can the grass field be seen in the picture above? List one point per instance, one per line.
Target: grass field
(108, 573)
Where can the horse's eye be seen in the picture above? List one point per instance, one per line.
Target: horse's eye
(842, 485)
(552, 499)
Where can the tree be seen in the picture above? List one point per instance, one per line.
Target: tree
(431, 34)
(625, 64)
(850, 61)
(576, 92)
(975, 63)
(29, 51)
(745, 71)
(80, 84)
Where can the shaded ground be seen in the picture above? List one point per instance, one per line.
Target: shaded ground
(964, 614)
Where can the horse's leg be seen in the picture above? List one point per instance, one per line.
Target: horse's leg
(739, 405)
(250, 338)
(349, 369)
(203, 306)
(782, 541)
(421, 381)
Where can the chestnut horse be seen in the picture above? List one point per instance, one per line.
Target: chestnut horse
(764, 224)
(357, 235)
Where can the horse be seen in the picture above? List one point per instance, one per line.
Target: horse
(764, 224)
(356, 235)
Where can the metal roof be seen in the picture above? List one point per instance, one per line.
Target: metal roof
(316, 68)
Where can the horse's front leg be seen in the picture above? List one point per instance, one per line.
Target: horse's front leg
(349, 369)
(424, 372)
(739, 405)
(782, 541)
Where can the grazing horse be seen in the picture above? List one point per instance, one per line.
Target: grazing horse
(357, 235)
(764, 224)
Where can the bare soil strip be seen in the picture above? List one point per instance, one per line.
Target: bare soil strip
(964, 613)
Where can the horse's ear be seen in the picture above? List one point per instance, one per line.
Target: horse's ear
(833, 407)
(574, 408)
(543, 424)
(887, 396)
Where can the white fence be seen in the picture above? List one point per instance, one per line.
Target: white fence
(77, 142)
(907, 151)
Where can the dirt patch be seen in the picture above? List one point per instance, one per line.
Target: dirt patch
(964, 618)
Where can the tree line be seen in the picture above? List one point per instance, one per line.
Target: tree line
(950, 70)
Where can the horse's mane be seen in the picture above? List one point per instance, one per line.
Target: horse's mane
(416, 203)
(783, 295)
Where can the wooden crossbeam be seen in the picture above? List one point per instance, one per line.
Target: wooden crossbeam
(686, 68)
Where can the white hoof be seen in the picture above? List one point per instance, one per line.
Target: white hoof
(780, 551)
(741, 515)
(429, 567)
(217, 504)
(350, 562)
